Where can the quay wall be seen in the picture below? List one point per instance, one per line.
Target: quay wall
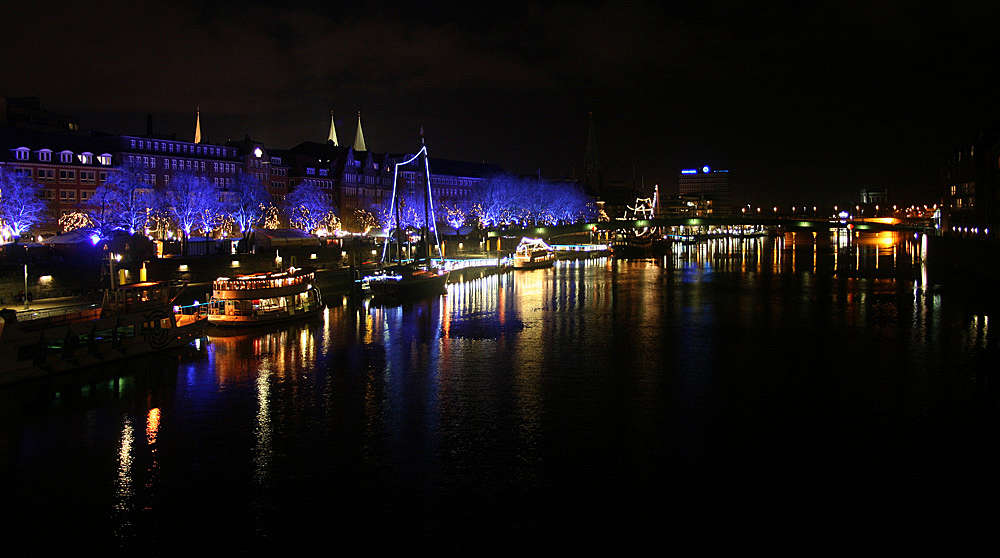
(87, 276)
(951, 258)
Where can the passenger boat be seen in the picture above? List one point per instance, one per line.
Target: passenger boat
(133, 320)
(264, 297)
(533, 253)
(419, 277)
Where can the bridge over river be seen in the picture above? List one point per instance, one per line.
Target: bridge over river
(716, 223)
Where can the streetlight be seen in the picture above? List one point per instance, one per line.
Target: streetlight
(25, 277)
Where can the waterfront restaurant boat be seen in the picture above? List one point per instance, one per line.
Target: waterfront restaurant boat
(264, 297)
(133, 320)
(533, 253)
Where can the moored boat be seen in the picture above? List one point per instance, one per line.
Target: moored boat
(133, 320)
(401, 278)
(406, 279)
(264, 297)
(533, 253)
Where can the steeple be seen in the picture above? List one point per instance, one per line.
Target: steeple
(359, 138)
(197, 126)
(333, 131)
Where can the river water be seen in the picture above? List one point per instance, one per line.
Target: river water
(793, 393)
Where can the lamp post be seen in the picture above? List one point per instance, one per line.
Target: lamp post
(25, 277)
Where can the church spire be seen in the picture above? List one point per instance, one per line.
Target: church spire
(197, 126)
(359, 138)
(333, 131)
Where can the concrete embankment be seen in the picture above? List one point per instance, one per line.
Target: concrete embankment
(964, 259)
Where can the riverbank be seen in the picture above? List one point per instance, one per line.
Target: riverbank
(963, 260)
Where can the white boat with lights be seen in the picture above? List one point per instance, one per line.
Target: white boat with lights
(264, 297)
(533, 253)
(399, 277)
(133, 320)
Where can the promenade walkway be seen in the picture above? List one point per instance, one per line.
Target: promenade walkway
(45, 305)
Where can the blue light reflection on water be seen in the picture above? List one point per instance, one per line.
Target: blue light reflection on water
(554, 403)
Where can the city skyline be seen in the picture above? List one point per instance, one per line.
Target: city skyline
(804, 105)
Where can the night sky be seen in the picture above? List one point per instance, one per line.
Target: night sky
(804, 104)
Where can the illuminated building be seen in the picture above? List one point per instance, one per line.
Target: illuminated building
(358, 179)
(266, 165)
(971, 183)
(67, 167)
(709, 186)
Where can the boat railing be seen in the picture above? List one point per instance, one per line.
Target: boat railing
(579, 247)
(455, 264)
(193, 309)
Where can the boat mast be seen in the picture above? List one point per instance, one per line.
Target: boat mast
(399, 226)
(425, 231)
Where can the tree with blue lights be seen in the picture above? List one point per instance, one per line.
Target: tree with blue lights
(248, 201)
(310, 208)
(210, 216)
(184, 200)
(511, 200)
(455, 213)
(122, 202)
(103, 217)
(20, 205)
(409, 217)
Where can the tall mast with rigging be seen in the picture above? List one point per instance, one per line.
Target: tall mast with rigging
(425, 231)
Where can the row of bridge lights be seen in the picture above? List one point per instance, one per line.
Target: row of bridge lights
(836, 209)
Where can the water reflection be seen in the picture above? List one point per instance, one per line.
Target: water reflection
(841, 253)
(124, 491)
(545, 405)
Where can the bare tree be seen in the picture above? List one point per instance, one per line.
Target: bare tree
(247, 202)
(185, 199)
(20, 205)
(309, 208)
